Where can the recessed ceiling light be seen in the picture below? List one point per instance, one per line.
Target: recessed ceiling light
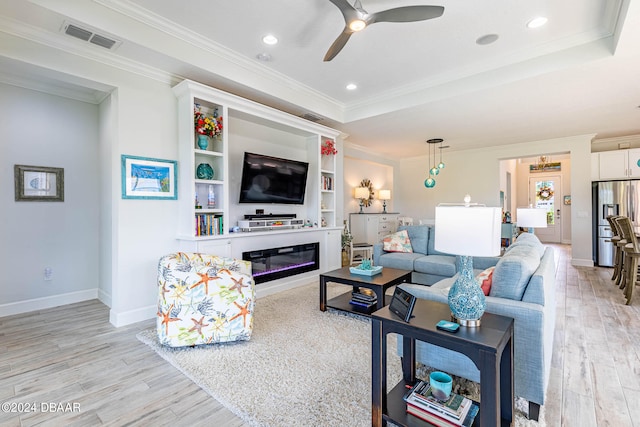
(352, 86)
(487, 39)
(537, 22)
(269, 39)
(264, 57)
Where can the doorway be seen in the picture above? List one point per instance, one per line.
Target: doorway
(545, 193)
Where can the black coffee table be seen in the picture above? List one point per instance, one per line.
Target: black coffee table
(378, 283)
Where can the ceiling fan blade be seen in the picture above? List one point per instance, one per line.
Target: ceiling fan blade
(337, 45)
(348, 11)
(407, 14)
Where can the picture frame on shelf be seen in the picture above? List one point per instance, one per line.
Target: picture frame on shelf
(38, 183)
(149, 178)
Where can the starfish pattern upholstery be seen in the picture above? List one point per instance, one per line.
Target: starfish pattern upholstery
(204, 299)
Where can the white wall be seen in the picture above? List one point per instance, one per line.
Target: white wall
(45, 130)
(358, 164)
(476, 172)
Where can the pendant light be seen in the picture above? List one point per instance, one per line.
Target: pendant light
(430, 182)
(441, 164)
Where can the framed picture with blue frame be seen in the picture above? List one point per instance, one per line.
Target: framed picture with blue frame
(148, 178)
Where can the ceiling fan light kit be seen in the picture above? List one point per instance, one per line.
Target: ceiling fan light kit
(357, 19)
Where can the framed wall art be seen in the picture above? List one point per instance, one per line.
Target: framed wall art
(38, 183)
(147, 178)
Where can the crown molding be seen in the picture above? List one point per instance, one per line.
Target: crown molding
(69, 45)
(258, 70)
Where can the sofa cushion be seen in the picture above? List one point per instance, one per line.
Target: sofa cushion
(419, 235)
(513, 271)
(397, 242)
(399, 260)
(529, 239)
(441, 265)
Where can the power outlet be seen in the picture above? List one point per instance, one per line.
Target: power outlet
(48, 273)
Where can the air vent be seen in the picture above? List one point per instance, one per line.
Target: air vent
(78, 32)
(90, 36)
(311, 117)
(102, 41)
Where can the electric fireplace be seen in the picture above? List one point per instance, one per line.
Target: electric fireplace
(276, 263)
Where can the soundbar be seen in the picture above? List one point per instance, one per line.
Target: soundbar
(269, 216)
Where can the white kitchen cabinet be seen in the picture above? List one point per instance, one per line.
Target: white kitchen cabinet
(619, 164)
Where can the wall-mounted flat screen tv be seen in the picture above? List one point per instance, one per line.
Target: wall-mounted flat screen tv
(267, 179)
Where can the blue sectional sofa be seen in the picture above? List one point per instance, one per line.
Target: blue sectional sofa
(427, 265)
(523, 287)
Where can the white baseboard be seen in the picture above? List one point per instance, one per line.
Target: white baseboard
(132, 316)
(47, 302)
(576, 262)
(104, 297)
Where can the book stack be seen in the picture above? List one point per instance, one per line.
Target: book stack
(456, 411)
(364, 299)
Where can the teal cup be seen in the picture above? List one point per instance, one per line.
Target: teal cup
(441, 384)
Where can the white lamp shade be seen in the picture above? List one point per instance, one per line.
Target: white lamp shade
(531, 217)
(469, 231)
(362, 193)
(384, 194)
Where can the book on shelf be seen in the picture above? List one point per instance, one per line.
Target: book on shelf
(364, 298)
(440, 421)
(208, 224)
(455, 411)
(456, 405)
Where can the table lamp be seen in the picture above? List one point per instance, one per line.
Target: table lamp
(361, 193)
(467, 231)
(531, 218)
(384, 195)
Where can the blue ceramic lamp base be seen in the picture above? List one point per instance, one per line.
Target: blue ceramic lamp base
(466, 299)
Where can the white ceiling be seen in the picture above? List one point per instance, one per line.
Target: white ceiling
(420, 80)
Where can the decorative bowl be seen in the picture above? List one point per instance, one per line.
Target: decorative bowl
(204, 171)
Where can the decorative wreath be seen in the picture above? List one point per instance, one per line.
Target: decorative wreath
(367, 184)
(545, 193)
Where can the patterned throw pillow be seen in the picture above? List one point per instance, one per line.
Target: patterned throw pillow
(485, 278)
(397, 242)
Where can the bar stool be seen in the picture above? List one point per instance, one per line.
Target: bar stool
(618, 252)
(631, 257)
(364, 249)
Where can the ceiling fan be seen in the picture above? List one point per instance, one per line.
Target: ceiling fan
(357, 19)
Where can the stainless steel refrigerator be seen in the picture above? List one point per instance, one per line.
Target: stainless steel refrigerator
(612, 198)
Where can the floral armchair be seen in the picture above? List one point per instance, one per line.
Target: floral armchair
(204, 299)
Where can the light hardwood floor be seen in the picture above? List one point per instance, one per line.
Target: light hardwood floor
(71, 354)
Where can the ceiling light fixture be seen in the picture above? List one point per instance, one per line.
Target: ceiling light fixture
(264, 57)
(270, 39)
(430, 182)
(357, 25)
(537, 22)
(352, 86)
(487, 39)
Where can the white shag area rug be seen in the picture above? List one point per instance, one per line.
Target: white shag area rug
(302, 367)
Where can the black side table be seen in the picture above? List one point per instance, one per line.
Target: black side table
(489, 346)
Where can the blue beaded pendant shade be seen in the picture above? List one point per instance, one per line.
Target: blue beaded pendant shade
(441, 165)
(434, 171)
(466, 299)
(429, 182)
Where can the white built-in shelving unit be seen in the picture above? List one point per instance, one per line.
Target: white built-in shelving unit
(249, 126)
